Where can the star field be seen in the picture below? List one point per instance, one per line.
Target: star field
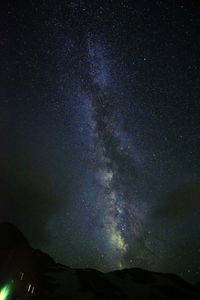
(100, 131)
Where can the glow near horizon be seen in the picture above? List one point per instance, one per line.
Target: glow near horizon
(4, 292)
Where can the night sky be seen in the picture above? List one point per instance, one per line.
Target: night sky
(99, 129)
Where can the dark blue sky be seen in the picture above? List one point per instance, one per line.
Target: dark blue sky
(100, 131)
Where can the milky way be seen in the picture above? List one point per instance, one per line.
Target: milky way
(112, 150)
(112, 202)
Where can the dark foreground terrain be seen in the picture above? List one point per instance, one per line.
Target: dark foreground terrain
(27, 273)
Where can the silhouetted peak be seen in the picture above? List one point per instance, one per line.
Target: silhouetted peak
(11, 236)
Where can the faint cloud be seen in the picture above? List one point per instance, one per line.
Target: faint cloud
(180, 203)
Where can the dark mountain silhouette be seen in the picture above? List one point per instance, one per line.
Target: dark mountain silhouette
(11, 237)
(32, 274)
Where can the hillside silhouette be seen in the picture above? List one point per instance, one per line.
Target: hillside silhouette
(32, 274)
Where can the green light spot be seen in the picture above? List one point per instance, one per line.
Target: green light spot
(4, 292)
